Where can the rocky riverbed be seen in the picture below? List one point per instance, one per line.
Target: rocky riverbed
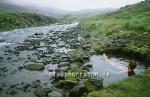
(53, 61)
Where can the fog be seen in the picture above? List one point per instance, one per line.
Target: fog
(72, 5)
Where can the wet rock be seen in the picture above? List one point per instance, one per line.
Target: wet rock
(97, 82)
(41, 92)
(1, 89)
(87, 66)
(20, 67)
(86, 47)
(65, 83)
(38, 34)
(1, 40)
(64, 69)
(74, 66)
(55, 94)
(64, 59)
(77, 91)
(1, 58)
(63, 64)
(77, 58)
(26, 87)
(13, 92)
(34, 66)
(9, 58)
(4, 69)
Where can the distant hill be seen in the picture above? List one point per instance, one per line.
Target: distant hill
(4, 7)
(90, 12)
(9, 21)
(127, 29)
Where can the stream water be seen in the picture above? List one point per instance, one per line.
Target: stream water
(16, 81)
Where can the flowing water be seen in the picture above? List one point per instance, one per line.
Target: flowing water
(16, 81)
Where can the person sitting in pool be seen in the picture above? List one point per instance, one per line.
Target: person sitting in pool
(132, 65)
(104, 56)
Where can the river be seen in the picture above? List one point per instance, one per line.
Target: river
(17, 47)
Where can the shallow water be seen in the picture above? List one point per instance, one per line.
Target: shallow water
(10, 74)
(112, 69)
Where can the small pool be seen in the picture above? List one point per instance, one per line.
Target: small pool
(113, 69)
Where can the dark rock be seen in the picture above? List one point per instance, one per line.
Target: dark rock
(77, 91)
(87, 67)
(1, 40)
(97, 82)
(86, 47)
(64, 59)
(66, 83)
(41, 92)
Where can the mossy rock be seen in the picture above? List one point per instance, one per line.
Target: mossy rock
(34, 66)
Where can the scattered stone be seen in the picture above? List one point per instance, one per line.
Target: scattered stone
(87, 67)
(1, 40)
(55, 94)
(34, 66)
(13, 92)
(63, 64)
(97, 82)
(77, 91)
(66, 83)
(41, 92)
(64, 69)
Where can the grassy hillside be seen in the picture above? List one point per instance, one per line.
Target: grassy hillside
(136, 86)
(126, 30)
(10, 21)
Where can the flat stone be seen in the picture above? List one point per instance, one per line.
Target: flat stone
(34, 66)
(63, 64)
(55, 94)
(64, 68)
(41, 92)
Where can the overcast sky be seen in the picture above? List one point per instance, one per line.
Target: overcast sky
(73, 5)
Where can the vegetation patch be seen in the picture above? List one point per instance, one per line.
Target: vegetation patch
(9, 21)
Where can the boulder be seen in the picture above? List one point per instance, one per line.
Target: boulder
(86, 47)
(87, 67)
(73, 66)
(64, 69)
(64, 59)
(55, 94)
(41, 92)
(34, 66)
(77, 91)
(65, 83)
(63, 64)
(97, 82)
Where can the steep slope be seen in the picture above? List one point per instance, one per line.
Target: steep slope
(10, 21)
(126, 30)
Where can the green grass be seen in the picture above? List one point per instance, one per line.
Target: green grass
(9, 21)
(127, 29)
(135, 86)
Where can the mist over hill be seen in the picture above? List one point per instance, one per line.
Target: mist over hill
(7, 7)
